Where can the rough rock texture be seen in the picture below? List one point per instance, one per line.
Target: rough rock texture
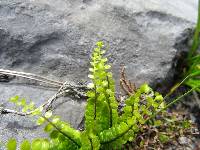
(55, 39)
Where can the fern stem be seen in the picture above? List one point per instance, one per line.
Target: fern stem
(91, 143)
(176, 86)
(70, 138)
(171, 103)
(95, 102)
(118, 136)
(110, 109)
(180, 83)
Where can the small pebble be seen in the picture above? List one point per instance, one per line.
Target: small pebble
(183, 140)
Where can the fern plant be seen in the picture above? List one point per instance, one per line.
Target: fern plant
(105, 127)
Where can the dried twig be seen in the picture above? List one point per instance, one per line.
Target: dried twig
(125, 84)
(31, 77)
(77, 91)
(64, 90)
(8, 111)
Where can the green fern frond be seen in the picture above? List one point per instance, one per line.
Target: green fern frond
(101, 110)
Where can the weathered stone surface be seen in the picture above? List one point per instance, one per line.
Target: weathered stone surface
(55, 39)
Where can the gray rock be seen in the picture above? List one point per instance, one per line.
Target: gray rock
(55, 39)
